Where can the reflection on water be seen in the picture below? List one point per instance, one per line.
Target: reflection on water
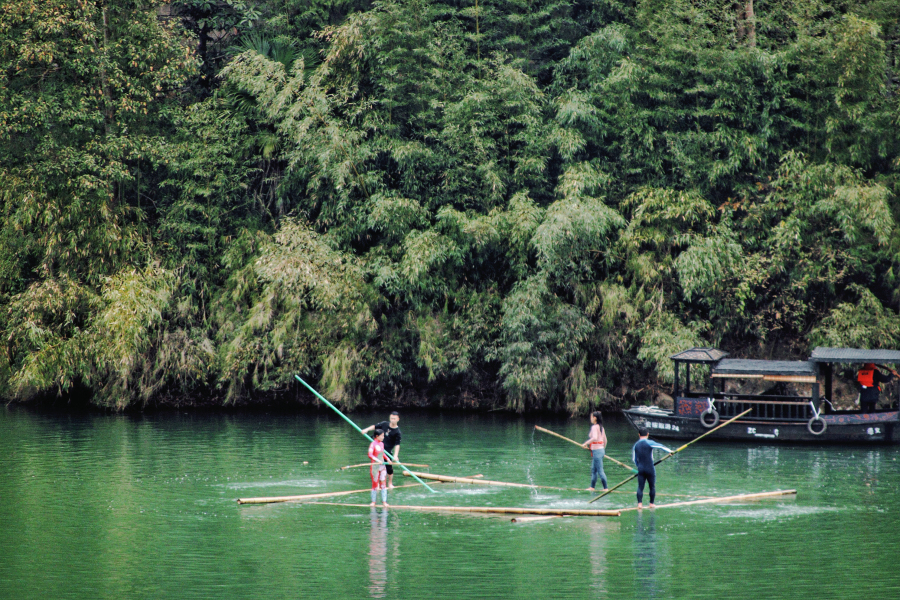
(762, 457)
(96, 507)
(599, 538)
(646, 555)
(378, 536)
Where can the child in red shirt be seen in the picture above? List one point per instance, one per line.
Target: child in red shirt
(376, 470)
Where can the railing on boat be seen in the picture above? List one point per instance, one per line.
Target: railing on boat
(772, 408)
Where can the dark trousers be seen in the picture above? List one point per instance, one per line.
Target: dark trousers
(649, 478)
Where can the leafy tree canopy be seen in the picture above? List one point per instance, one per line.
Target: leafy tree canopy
(479, 203)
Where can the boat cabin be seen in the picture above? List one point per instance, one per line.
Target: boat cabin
(717, 400)
(826, 358)
(817, 373)
(797, 407)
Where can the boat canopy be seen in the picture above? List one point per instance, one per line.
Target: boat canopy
(699, 355)
(794, 371)
(854, 356)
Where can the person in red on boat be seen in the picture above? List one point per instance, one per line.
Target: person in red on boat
(376, 470)
(869, 378)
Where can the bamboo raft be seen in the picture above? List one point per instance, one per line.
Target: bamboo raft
(452, 479)
(505, 510)
(469, 480)
(274, 499)
(565, 512)
(759, 496)
(477, 479)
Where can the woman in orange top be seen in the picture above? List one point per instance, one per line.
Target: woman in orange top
(597, 445)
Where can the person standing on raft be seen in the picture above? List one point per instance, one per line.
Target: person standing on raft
(376, 470)
(392, 438)
(869, 379)
(597, 445)
(642, 455)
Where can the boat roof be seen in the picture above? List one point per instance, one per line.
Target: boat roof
(744, 366)
(700, 355)
(854, 355)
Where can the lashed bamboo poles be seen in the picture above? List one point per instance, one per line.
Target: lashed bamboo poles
(369, 464)
(671, 454)
(562, 437)
(271, 499)
(453, 479)
(274, 499)
(494, 510)
(758, 496)
(565, 512)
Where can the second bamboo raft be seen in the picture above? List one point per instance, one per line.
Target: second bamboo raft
(505, 510)
(758, 496)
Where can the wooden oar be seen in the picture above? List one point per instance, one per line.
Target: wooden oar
(758, 496)
(673, 453)
(562, 437)
(368, 464)
(356, 427)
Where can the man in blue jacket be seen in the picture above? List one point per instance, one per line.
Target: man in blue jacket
(642, 455)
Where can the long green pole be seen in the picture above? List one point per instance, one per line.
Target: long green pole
(673, 453)
(343, 416)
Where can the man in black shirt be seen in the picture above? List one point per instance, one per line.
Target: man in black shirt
(392, 437)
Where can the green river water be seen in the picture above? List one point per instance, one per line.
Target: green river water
(121, 507)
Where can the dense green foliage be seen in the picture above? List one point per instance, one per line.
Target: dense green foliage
(497, 203)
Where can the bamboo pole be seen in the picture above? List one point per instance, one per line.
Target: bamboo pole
(369, 464)
(673, 453)
(453, 479)
(758, 496)
(494, 510)
(356, 427)
(532, 519)
(562, 437)
(274, 499)
(450, 479)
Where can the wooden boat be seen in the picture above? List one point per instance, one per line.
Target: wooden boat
(775, 418)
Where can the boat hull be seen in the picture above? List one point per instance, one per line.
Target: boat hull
(841, 428)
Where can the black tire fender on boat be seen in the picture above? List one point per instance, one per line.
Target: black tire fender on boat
(811, 425)
(715, 418)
